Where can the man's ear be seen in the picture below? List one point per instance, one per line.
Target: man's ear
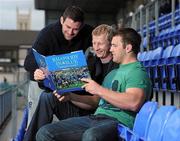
(128, 48)
(61, 20)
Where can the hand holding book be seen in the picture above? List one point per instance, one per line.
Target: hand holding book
(39, 75)
(62, 98)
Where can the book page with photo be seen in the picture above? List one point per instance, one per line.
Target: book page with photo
(63, 72)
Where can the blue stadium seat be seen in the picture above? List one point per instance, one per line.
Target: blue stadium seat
(164, 21)
(126, 134)
(177, 16)
(170, 37)
(141, 125)
(173, 68)
(122, 131)
(143, 118)
(147, 60)
(162, 38)
(147, 57)
(22, 129)
(162, 70)
(152, 28)
(154, 41)
(172, 127)
(177, 34)
(158, 123)
(144, 43)
(141, 56)
(157, 53)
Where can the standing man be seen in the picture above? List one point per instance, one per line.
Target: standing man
(123, 92)
(68, 34)
(100, 63)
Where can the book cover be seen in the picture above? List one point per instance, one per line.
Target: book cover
(63, 72)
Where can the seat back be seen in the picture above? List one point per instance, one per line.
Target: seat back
(158, 122)
(141, 56)
(166, 53)
(172, 67)
(143, 118)
(162, 67)
(157, 53)
(176, 51)
(147, 58)
(172, 128)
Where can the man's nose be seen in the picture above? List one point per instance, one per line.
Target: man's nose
(96, 46)
(70, 31)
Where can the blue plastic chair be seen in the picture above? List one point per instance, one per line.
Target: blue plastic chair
(141, 56)
(177, 34)
(158, 123)
(162, 71)
(172, 128)
(147, 60)
(165, 21)
(22, 129)
(177, 16)
(157, 53)
(144, 43)
(162, 38)
(143, 118)
(161, 20)
(128, 135)
(152, 28)
(169, 39)
(147, 57)
(173, 68)
(141, 123)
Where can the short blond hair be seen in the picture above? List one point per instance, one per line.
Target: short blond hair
(103, 29)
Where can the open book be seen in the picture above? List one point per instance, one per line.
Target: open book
(63, 72)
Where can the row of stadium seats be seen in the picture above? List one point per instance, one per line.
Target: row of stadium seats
(170, 36)
(153, 124)
(164, 22)
(163, 67)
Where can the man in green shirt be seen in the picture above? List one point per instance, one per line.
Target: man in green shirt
(123, 92)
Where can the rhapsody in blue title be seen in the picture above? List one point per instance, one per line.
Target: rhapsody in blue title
(69, 61)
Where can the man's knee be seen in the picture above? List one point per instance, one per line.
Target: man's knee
(46, 96)
(43, 134)
(103, 133)
(91, 135)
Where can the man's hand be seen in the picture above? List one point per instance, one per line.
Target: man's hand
(62, 98)
(91, 86)
(39, 75)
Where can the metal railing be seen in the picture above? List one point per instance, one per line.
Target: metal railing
(8, 104)
(5, 105)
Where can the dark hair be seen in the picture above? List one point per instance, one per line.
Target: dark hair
(129, 36)
(75, 13)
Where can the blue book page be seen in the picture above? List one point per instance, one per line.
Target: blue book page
(67, 70)
(41, 61)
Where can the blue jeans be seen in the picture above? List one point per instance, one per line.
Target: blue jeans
(48, 106)
(87, 128)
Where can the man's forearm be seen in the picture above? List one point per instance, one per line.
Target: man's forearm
(84, 101)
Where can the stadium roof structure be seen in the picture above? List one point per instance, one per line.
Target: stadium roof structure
(89, 6)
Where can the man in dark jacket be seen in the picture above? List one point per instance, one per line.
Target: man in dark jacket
(68, 34)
